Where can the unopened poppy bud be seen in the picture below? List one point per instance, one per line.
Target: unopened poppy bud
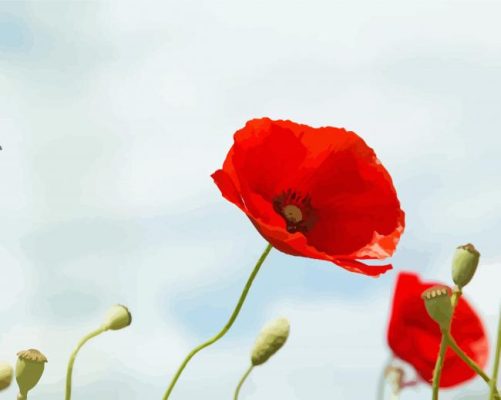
(29, 369)
(464, 264)
(270, 340)
(437, 301)
(118, 317)
(5, 375)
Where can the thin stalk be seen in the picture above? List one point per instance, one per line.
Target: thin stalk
(468, 361)
(226, 328)
(69, 371)
(437, 372)
(242, 380)
(495, 370)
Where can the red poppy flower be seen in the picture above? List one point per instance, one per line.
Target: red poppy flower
(314, 192)
(415, 338)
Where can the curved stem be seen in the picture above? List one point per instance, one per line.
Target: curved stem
(242, 380)
(472, 364)
(437, 372)
(467, 360)
(226, 328)
(69, 371)
(497, 356)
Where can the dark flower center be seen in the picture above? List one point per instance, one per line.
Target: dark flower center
(295, 209)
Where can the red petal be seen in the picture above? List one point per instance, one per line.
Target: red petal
(265, 154)
(227, 187)
(361, 268)
(354, 198)
(296, 245)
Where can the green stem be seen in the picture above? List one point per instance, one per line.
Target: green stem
(242, 380)
(467, 360)
(69, 371)
(497, 356)
(437, 372)
(226, 328)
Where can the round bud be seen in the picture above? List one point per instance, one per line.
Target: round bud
(118, 317)
(464, 264)
(5, 375)
(29, 369)
(437, 301)
(270, 340)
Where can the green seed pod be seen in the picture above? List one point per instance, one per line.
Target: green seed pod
(464, 264)
(118, 317)
(437, 301)
(270, 340)
(29, 369)
(5, 375)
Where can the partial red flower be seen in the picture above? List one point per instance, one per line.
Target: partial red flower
(314, 192)
(415, 338)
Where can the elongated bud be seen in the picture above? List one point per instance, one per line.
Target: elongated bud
(118, 317)
(464, 264)
(270, 340)
(29, 369)
(437, 301)
(6, 373)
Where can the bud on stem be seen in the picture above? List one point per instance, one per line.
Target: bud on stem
(270, 340)
(118, 317)
(464, 264)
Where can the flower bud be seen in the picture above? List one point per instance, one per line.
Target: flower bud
(270, 340)
(118, 317)
(437, 301)
(464, 264)
(29, 369)
(5, 375)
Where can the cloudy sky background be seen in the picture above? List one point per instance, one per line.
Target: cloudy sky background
(114, 114)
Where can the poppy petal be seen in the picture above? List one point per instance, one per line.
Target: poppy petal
(227, 188)
(297, 245)
(361, 268)
(361, 202)
(263, 140)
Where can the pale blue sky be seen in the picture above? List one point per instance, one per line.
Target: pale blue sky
(114, 114)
